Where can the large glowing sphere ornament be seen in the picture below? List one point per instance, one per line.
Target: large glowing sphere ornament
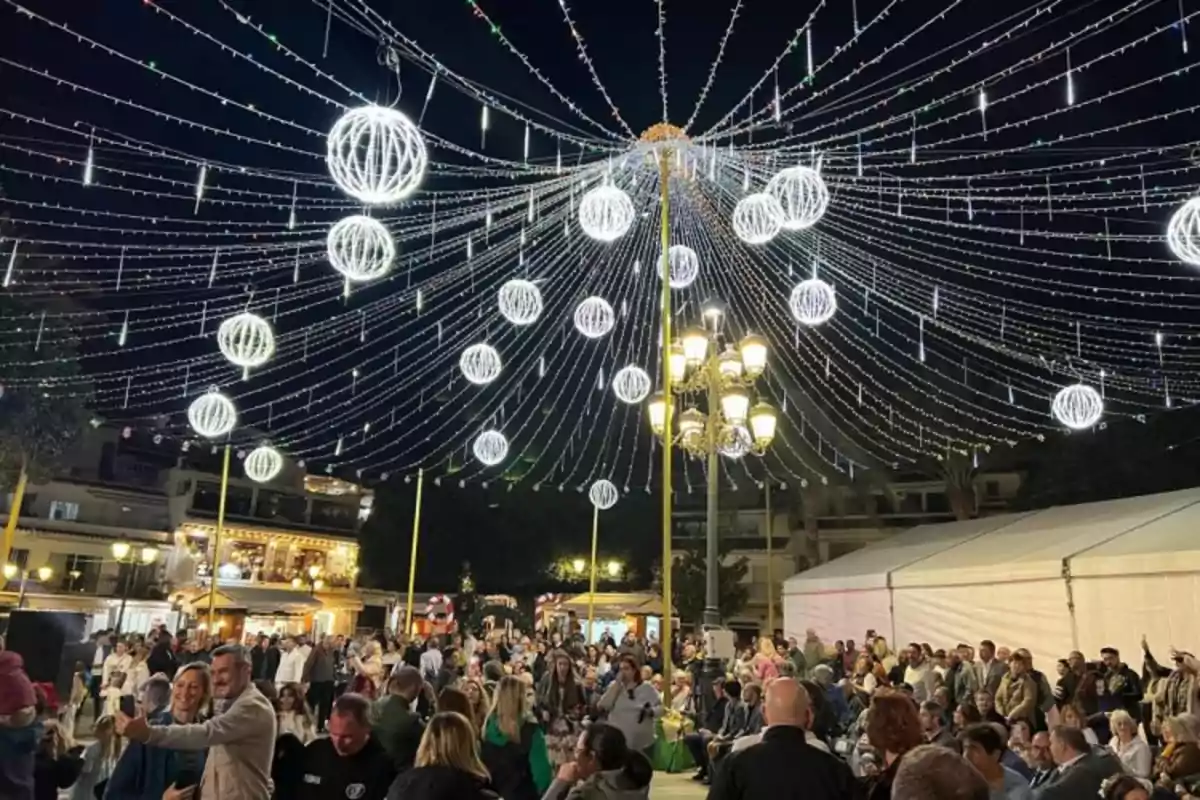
(802, 196)
(520, 302)
(1183, 232)
(813, 302)
(606, 213)
(490, 447)
(683, 263)
(603, 494)
(212, 414)
(631, 384)
(263, 464)
(594, 317)
(757, 218)
(360, 248)
(480, 364)
(376, 155)
(1079, 406)
(246, 340)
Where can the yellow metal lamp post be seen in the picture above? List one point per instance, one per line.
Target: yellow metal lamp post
(124, 553)
(730, 425)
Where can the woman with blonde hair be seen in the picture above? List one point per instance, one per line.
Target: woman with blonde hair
(1127, 746)
(447, 764)
(477, 696)
(1181, 755)
(514, 749)
(99, 757)
(368, 670)
(763, 661)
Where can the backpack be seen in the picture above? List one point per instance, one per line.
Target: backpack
(508, 764)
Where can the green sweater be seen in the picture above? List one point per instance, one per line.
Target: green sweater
(539, 758)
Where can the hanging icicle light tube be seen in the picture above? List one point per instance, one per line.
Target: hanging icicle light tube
(724, 379)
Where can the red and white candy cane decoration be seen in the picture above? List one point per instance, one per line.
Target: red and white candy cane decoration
(436, 600)
(545, 600)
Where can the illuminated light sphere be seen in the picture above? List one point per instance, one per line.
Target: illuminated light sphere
(632, 384)
(813, 302)
(212, 414)
(739, 443)
(802, 196)
(263, 464)
(603, 494)
(360, 248)
(594, 317)
(1183, 232)
(606, 213)
(757, 218)
(490, 448)
(246, 340)
(1079, 406)
(480, 364)
(684, 265)
(376, 155)
(520, 302)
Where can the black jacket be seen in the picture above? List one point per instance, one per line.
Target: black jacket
(162, 659)
(398, 728)
(366, 775)
(1081, 779)
(439, 783)
(715, 717)
(783, 766)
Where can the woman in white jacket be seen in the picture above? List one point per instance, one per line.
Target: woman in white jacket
(632, 705)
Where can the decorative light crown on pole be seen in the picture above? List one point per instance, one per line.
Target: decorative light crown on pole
(603, 494)
(360, 248)
(802, 196)
(212, 414)
(490, 447)
(1079, 406)
(606, 213)
(520, 302)
(480, 364)
(263, 464)
(376, 155)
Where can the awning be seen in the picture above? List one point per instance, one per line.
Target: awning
(615, 604)
(260, 600)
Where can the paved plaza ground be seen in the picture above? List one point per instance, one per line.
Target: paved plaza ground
(676, 787)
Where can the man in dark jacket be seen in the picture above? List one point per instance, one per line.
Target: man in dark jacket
(734, 720)
(318, 677)
(1080, 770)
(396, 725)
(162, 658)
(783, 764)
(350, 762)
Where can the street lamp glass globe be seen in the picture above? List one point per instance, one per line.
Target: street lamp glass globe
(731, 365)
(120, 550)
(10, 571)
(296, 583)
(314, 571)
(763, 422)
(149, 555)
(657, 409)
(614, 568)
(44, 574)
(677, 362)
(318, 585)
(578, 564)
(695, 345)
(735, 405)
(754, 354)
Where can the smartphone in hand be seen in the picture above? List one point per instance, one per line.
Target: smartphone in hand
(128, 705)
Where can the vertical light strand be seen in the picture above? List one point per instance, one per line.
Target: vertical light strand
(778, 104)
(983, 111)
(37, 344)
(200, 179)
(859, 156)
(292, 212)
(120, 267)
(123, 336)
(808, 37)
(854, 10)
(912, 155)
(90, 162)
(527, 143)
(1070, 80)
(483, 127)
(212, 273)
(1183, 20)
(921, 350)
(12, 265)
(428, 97)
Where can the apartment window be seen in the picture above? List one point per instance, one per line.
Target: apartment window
(61, 509)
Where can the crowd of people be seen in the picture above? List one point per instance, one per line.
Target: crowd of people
(550, 716)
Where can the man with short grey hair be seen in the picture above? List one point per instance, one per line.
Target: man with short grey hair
(156, 694)
(240, 739)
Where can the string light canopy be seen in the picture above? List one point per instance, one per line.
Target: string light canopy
(520, 302)
(480, 364)
(1078, 406)
(603, 494)
(376, 155)
(263, 464)
(490, 448)
(813, 302)
(212, 415)
(606, 213)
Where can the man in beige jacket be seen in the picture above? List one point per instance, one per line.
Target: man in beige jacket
(240, 740)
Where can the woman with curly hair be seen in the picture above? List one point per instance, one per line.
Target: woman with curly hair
(893, 728)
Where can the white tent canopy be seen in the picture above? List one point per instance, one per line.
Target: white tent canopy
(1051, 581)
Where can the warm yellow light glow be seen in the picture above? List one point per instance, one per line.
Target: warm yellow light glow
(695, 345)
(149, 555)
(120, 550)
(754, 354)
(730, 364)
(578, 564)
(614, 568)
(677, 363)
(735, 405)
(318, 585)
(44, 574)
(762, 424)
(220, 624)
(10, 571)
(314, 571)
(296, 582)
(658, 413)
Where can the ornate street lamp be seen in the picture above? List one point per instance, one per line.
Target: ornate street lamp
(124, 553)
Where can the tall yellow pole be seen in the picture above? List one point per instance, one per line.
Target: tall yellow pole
(592, 590)
(216, 557)
(14, 514)
(412, 558)
(770, 570)
(664, 176)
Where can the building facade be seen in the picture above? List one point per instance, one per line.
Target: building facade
(128, 535)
